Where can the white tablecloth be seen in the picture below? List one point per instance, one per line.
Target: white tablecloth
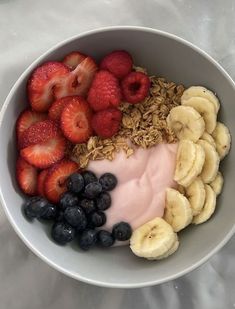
(27, 29)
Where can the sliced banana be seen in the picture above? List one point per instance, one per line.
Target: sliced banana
(206, 109)
(211, 165)
(181, 189)
(200, 91)
(208, 208)
(222, 139)
(153, 239)
(178, 212)
(186, 123)
(207, 137)
(172, 250)
(217, 183)
(196, 194)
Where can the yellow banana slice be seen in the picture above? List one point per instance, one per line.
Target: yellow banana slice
(196, 194)
(222, 139)
(207, 137)
(172, 250)
(217, 183)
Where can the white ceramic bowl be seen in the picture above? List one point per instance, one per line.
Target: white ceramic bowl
(162, 54)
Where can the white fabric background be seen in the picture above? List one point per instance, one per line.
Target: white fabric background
(27, 29)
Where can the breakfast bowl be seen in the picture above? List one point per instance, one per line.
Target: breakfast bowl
(162, 54)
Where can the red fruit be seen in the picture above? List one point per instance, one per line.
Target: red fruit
(118, 62)
(135, 87)
(55, 182)
(104, 92)
(43, 83)
(57, 108)
(73, 59)
(38, 133)
(76, 120)
(106, 123)
(41, 182)
(45, 154)
(26, 176)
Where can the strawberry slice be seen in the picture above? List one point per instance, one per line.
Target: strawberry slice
(73, 59)
(43, 82)
(45, 154)
(76, 120)
(41, 180)
(56, 180)
(57, 107)
(26, 176)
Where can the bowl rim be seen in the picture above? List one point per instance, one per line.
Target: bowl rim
(2, 200)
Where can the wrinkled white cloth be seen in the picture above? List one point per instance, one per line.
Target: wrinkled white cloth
(27, 29)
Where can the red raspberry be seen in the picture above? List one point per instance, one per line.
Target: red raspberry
(118, 62)
(135, 87)
(105, 91)
(106, 123)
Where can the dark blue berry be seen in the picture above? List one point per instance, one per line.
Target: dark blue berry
(103, 201)
(68, 199)
(35, 207)
(87, 239)
(92, 190)
(105, 239)
(62, 232)
(50, 213)
(89, 177)
(108, 181)
(59, 216)
(122, 231)
(97, 218)
(87, 205)
(76, 217)
(75, 183)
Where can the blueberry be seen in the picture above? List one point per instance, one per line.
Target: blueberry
(75, 183)
(62, 232)
(87, 205)
(97, 218)
(122, 231)
(103, 201)
(108, 181)
(68, 199)
(35, 207)
(59, 216)
(50, 213)
(87, 239)
(92, 190)
(76, 217)
(89, 177)
(105, 239)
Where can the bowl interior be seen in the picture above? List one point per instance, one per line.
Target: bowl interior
(162, 55)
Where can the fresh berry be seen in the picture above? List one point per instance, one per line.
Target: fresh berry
(76, 217)
(97, 218)
(122, 231)
(106, 123)
(51, 212)
(56, 180)
(92, 190)
(68, 199)
(45, 154)
(40, 185)
(103, 201)
(108, 181)
(75, 183)
(73, 59)
(104, 92)
(59, 216)
(43, 83)
(87, 205)
(87, 239)
(89, 177)
(76, 120)
(105, 239)
(62, 232)
(38, 133)
(135, 87)
(118, 62)
(26, 176)
(35, 207)
(57, 107)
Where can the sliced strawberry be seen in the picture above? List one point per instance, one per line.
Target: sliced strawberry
(41, 181)
(55, 182)
(45, 154)
(26, 176)
(76, 120)
(43, 82)
(57, 107)
(73, 59)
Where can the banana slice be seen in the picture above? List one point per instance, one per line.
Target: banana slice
(208, 208)
(196, 168)
(172, 250)
(217, 183)
(181, 189)
(178, 212)
(222, 139)
(196, 194)
(199, 91)
(211, 165)
(207, 137)
(153, 239)
(186, 123)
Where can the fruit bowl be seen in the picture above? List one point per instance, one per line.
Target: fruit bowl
(161, 54)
